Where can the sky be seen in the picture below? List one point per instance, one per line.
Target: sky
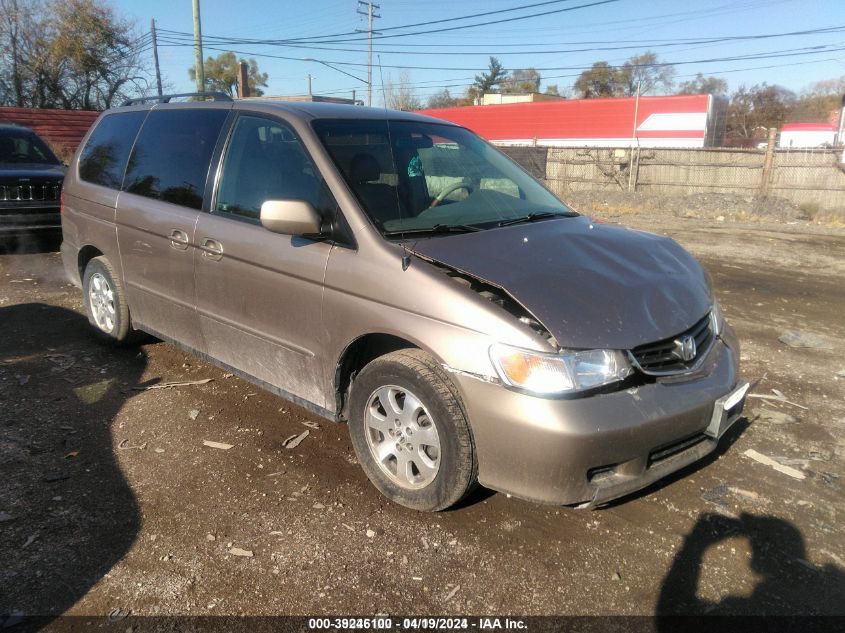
(560, 44)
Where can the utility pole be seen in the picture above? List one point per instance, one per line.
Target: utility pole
(200, 72)
(155, 54)
(309, 84)
(632, 180)
(370, 13)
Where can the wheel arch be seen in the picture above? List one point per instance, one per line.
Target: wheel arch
(86, 254)
(355, 357)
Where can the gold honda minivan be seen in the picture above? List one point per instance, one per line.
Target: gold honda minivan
(398, 273)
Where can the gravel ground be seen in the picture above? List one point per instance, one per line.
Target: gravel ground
(109, 499)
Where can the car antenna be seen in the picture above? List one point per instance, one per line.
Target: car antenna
(406, 258)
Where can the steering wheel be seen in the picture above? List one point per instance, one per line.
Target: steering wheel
(450, 189)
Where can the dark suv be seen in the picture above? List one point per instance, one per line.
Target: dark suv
(30, 183)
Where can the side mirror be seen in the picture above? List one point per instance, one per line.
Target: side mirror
(290, 217)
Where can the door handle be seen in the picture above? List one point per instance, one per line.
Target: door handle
(179, 240)
(212, 249)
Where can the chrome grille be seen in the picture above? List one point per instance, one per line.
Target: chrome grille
(45, 192)
(667, 357)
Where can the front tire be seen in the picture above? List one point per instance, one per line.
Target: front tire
(410, 431)
(104, 300)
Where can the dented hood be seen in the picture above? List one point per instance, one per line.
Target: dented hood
(591, 285)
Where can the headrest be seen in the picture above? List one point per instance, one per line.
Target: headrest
(364, 168)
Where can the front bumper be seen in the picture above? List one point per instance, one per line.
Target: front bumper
(593, 449)
(14, 221)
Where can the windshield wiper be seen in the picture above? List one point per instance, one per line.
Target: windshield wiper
(539, 215)
(437, 228)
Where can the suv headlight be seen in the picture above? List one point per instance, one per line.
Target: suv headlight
(553, 374)
(717, 321)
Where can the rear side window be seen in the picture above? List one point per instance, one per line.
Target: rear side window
(171, 157)
(103, 160)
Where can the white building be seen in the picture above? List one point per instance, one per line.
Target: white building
(807, 135)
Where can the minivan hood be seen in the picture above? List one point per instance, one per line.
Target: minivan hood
(591, 285)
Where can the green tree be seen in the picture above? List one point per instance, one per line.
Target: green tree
(487, 81)
(521, 80)
(704, 85)
(601, 80)
(221, 73)
(552, 89)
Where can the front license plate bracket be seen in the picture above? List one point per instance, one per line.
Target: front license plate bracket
(726, 411)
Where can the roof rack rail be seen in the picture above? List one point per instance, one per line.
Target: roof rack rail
(214, 96)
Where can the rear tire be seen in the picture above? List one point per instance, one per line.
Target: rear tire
(105, 303)
(410, 431)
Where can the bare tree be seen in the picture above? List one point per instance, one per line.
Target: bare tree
(753, 110)
(442, 99)
(401, 95)
(704, 85)
(73, 54)
(647, 72)
(521, 80)
(16, 25)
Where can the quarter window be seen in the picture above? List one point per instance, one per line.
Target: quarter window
(266, 161)
(171, 157)
(103, 160)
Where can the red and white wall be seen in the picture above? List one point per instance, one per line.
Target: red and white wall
(807, 135)
(675, 121)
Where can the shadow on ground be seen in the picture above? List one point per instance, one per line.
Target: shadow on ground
(27, 244)
(67, 514)
(787, 584)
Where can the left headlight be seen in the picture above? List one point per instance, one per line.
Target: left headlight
(554, 374)
(717, 321)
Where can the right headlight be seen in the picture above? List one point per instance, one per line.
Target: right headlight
(555, 374)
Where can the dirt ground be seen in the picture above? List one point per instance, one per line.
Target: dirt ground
(109, 500)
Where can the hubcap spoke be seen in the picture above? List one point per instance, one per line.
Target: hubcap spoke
(383, 451)
(410, 409)
(377, 420)
(426, 466)
(426, 436)
(387, 397)
(403, 468)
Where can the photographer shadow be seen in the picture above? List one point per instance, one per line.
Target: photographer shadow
(788, 584)
(67, 513)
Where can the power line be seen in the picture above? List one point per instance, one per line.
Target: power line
(625, 45)
(807, 50)
(454, 19)
(322, 39)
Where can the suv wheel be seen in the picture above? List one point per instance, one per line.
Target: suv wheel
(104, 302)
(410, 432)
